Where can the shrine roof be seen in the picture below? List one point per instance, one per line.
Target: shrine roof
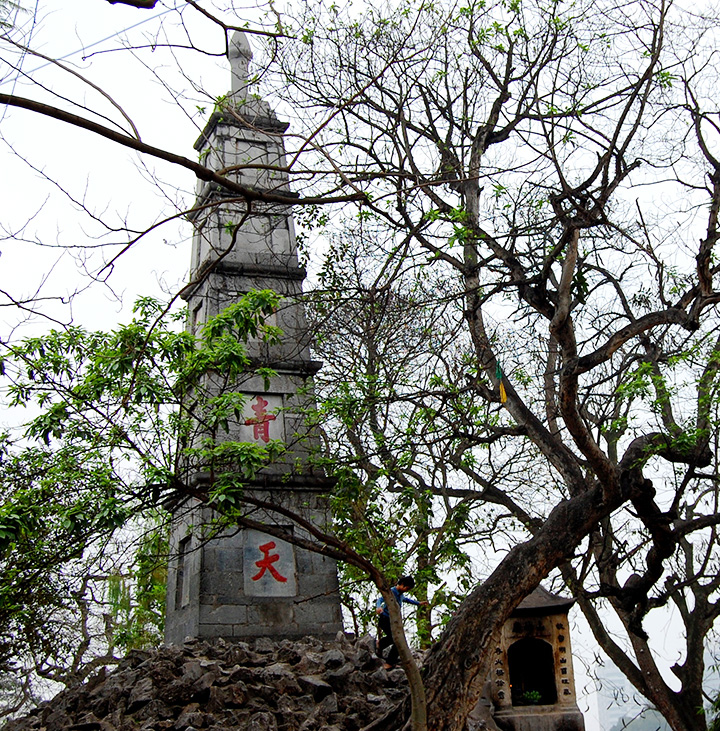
(541, 601)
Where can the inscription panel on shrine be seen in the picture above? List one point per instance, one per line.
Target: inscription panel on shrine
(268, 566)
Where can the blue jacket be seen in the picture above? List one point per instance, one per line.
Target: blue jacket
(400, 599)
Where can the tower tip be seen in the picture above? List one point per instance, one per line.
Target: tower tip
(239, 55)
(239, 46)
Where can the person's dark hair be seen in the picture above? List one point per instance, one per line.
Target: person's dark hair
(407, 581)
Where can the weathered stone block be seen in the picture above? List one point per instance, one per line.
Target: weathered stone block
(319, 587)
(321, 615)
(224, 587)
(273, 614)
(211, 630)
(225, 614)
(226, 558)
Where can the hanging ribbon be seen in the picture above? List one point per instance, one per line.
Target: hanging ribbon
(499, 376)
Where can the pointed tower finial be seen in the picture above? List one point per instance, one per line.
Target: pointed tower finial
(239, 55)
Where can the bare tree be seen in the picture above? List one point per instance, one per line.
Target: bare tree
(517, 154)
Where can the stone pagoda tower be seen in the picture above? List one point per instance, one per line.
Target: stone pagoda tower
(246, 583)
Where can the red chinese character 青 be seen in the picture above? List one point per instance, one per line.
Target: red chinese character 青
(266, 563)
(261, 421)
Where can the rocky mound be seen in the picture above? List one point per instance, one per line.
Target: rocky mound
(304, 685)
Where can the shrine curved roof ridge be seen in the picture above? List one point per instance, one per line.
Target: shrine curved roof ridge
(541, 601)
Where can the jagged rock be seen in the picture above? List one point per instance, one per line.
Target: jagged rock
(134, 658)
(305, 685)
(201, 687)
(263, 721)
(264, 645)
(332, 658)
(327, 705)
(154, 710)
(315, 685)
(380, 677)
(366, 642)
(192, 716)
(396, 676)
(365, 659)
(280, 675)
(289, 654)
(373, 698)
(342, 672)
(192, 669)
(141, 694)
(310, 664)
(239, 653)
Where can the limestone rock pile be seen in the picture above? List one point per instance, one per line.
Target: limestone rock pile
(304, 685)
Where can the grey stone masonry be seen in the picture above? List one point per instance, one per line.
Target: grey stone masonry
(241, 583)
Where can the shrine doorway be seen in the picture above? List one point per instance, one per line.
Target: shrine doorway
(532, 673)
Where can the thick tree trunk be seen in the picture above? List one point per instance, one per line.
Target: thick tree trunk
(458, 664)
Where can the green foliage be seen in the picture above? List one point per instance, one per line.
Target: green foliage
(55, 503)
(666, 79)
(220, 103)
(392, 409)
(714, 722)
(532, 697)
(138, 601)
(117, 420)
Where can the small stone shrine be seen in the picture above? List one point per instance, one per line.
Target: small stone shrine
(246, 583)
(532, 683)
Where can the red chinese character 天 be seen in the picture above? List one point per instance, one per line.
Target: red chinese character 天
(261, 421)
(266, 563)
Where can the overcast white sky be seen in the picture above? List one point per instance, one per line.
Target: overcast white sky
(111, 181)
